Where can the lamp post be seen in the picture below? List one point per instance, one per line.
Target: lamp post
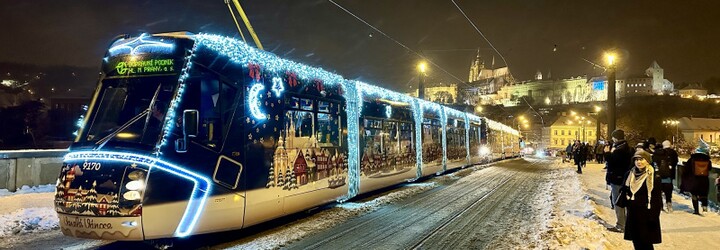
(610, 57)
(422, 66)
(673, 123)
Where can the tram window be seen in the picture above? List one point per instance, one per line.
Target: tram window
(406, 137)
(215, 103)
(301, 125)
(373, 138)
(328, 132)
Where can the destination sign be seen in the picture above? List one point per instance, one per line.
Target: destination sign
(149, 66)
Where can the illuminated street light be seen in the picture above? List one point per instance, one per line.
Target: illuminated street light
(610, 58)
(573, 113)
(422, 67)
(547, 100)
(478, 109)
(597, 108)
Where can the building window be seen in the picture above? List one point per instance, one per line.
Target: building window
(701, 137)
(563, 133)
(555, 142)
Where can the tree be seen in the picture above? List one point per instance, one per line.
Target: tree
(271, 177)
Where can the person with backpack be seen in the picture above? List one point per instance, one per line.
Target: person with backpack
(695, 176)
(665, 159)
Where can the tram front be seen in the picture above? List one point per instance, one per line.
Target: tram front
(105, 180)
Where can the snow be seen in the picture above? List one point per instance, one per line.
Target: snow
(26, 190)
(28, 220)
(581, 214)
(286, 234)
(28, 210)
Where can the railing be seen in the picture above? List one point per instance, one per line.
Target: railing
(29, 167)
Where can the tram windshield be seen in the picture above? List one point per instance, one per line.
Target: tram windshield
(131, 109)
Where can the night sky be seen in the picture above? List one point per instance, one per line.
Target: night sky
(683, 36)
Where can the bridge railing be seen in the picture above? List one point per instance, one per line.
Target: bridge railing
(30, 167)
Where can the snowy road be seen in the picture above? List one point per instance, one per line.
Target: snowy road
(491, 208)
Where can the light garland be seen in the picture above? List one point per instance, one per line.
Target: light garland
(201, 189)
(467, 137)
(443, 121)
(80, 123)
(418, 115)
(254, 101)
(175, 103)
(353, 122)
(388, 111)
(140, 43)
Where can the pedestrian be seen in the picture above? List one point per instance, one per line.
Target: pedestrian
(643, 203)
(695, 176)
(618, 163)
(599, 153)
(569, 151)
(587, 148)
(642, 149)
(665, 159)
(578, 155)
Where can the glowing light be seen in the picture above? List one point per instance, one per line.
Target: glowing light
(125, 135)
(467, 138)
(422, 67)
(175, 103)
(135, 185)
(610, 57)
(418, 115)
(254, 101)
(277, 86)
(140, 44)
(484, 151)
(388, 111)
(132, 195)
(443, 122)
(201, 189)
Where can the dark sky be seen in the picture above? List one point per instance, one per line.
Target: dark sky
(683, 36)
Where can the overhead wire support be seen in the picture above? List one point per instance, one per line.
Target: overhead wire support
(396, 41)
(232, 14)
(480, 32)
(247, 24)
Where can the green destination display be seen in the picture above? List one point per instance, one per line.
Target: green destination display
(149, 66)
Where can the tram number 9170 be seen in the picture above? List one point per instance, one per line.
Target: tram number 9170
(91, 166)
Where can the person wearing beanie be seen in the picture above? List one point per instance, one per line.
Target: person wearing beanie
(695, 176)
(618, 163)
(665, 159)
(642, 187)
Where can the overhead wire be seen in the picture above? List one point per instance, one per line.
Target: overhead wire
(396, 41)
(232, 14)
(480, 32)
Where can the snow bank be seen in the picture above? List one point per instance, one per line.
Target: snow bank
(27, 190)
(286, 234)
(28, 220)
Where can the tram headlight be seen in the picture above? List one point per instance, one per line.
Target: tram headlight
(131, 195)
(484, 150)
(135, 185)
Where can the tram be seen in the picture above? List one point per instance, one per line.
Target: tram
(190, 134)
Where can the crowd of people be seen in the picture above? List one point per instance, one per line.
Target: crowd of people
(639, 177)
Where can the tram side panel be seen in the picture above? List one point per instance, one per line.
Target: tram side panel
(299, 152)
(387, 145)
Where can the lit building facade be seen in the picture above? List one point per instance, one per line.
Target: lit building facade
(567, 129)
(692, 129)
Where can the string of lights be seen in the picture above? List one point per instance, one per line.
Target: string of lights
(480, 32)
(396, 41)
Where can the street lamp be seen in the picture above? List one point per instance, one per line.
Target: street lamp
(478, 109)
(611, 61)
(422, 67)
(673, 123)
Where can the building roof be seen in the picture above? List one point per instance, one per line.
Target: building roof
(692, 86)
(566, 121)
(689, 123)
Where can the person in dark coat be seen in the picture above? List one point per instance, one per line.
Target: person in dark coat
(695, 176)
(578, 155)
(599, 153)
(665, 159)
(644, 202)
(618, 163)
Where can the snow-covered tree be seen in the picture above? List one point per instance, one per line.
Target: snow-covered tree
(271, 177)
(113, 207)
(280, 179)
(288, 180)
(293, 180)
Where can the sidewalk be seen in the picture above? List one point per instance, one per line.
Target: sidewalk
(680, 229)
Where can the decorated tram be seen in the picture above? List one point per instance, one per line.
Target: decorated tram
(197, 133)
